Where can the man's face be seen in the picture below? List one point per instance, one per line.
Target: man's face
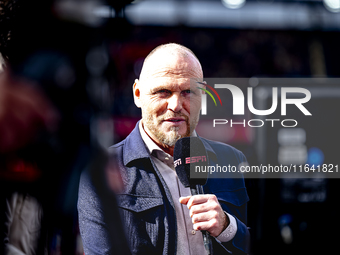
(169, 98)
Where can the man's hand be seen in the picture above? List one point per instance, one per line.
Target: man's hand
(206, 213)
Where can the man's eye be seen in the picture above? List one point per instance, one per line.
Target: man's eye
(163, 92)
(186, 92)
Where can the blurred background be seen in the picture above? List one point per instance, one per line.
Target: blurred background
(89, 55)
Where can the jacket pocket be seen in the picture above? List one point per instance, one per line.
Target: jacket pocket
(137, 203)
(143, 220)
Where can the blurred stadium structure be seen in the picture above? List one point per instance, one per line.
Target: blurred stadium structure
(237, 14)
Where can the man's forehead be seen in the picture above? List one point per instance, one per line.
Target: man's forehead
(170, 82)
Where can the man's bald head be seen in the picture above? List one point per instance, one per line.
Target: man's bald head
(172, 48)
(167, 53)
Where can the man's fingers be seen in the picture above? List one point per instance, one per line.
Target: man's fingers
(191, 200)
(199, 199)
(199, 208)
(212, 226)
(184, 200)
(200, 217)
(206, 213)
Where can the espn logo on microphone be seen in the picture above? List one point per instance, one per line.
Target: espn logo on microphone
(177, 162)
(189, 160)
(195, 159)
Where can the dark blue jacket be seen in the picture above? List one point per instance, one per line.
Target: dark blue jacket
(146, 204)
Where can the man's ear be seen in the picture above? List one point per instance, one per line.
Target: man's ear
(136, 93)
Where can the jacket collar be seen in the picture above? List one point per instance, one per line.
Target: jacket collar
(136, 149)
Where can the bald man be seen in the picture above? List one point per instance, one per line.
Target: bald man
(159, 214)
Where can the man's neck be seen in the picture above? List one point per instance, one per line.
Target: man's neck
(168, 149)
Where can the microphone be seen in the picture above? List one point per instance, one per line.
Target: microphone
(189, 153)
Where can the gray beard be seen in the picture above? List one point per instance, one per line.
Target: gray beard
(171, 137)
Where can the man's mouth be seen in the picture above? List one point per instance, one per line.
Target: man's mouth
(175, 120)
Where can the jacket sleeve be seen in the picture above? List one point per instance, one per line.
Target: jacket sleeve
(100, 234)
(91, 220)
(240, 243)
(231, 192)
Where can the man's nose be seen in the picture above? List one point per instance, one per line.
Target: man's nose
(175, 103)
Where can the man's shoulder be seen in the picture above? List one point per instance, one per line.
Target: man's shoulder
(132, 137)
(117, 149)
(130, 149)
(218, 144)
(220, 147)
(118, 145)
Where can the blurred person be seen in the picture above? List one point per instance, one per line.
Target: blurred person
(45, 114)
(25, 112)
(159, 214)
